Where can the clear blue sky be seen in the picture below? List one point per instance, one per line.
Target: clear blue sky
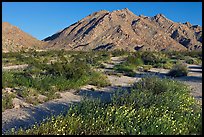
(42, 19)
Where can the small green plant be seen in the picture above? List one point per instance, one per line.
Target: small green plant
(146, 67)
(6, 79)
(168, 65)
(116, 53)
(99, 80)
(191, 60)
(178, 70)
(132, 62)
(131, 59)
(153, 58)
(7, 101)
(127, 70)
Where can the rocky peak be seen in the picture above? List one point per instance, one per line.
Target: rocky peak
(159, 16)
(6, 24)
(188, 24)
(126, 10)
(99, 12)
(123, 11)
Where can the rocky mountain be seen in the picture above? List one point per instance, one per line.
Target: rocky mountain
(14, 39)
(122, 29)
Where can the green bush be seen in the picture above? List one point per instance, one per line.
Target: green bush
(73, 70)
(7, 78)
(152, 58)
(92, 58)
(194, 54)
(134, 60)
(153, 84)
(99, 80)
(126, 69)
(158, 65)
(116, 53)
(168, 65)
(7, 101)
(178, 70)
(147, 67)
(175, 55)
(191, 60)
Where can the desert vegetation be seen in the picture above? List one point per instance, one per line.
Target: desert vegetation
(152, 106)
(57, 70)
(47, 78)
(178, 70)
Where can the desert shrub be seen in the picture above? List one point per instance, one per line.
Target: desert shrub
(178, 70)
(175, 55)
(7, 101)
(23, 93)
(116, 53)
(33, 71)
(167, 65)
(30, 95)
(113, 73)
(191, 60)
(152, 84)
(158, 65)
(102, 66)
(73, 70)
(152, 58)
(139, 111)
(93, 58)
(13, 58)
(99, 80)
(194, 54)
(62, 75)
(146, 67)
(126, 69)
(134, 60)
(183, 54)
(7, 77)
(11, 55)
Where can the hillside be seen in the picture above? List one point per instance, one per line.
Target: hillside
(122, 29)
(14, 39)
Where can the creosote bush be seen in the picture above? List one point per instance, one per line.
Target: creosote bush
(99, 80)
(191, 60)
(7, 101)
(178, 70)
(152, 58)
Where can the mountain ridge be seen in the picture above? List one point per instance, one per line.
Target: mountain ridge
(119, 29)
(122, 29)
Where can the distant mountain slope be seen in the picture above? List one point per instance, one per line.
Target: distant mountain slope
(121, 29)
(14, 39)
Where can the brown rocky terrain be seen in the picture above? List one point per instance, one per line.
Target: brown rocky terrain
(122, 29)
(14, 39)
